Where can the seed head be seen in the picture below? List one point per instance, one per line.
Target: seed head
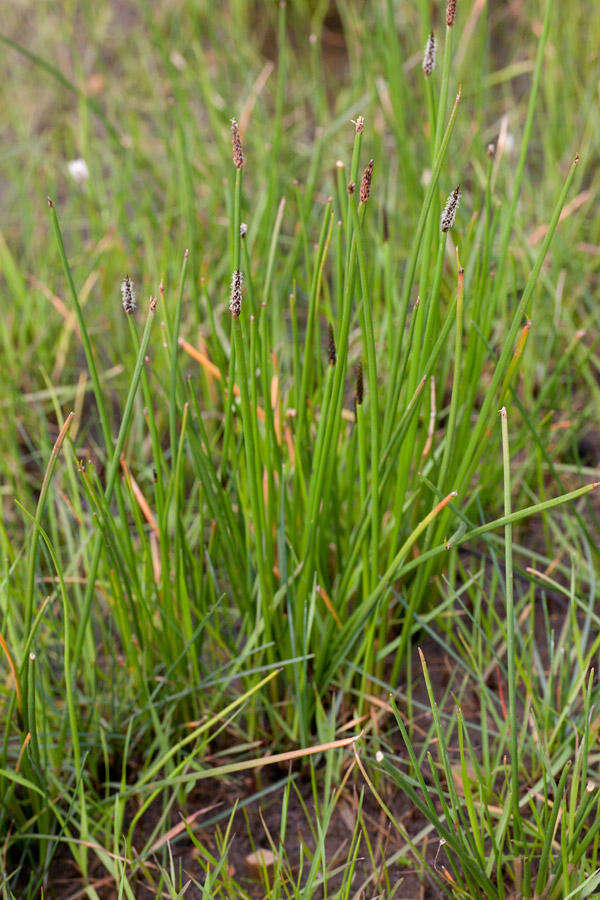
(243, 229)
(429, 55)
(153, 303)
(331, 351)
(235, 299)
(351, 187)
(449, 214)
(359, 124)
(491, 149)
(450, 13)
(238, 154)
(365, 185)
(360, 385)
(128, 295)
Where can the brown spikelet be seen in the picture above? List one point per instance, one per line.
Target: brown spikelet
(365, 185)
(360, 385)
(449, 213)
(351, 187)
(360, 124)
(238, 153)
(128, 295)
(235, 298)
(331, 351)
(450, 13)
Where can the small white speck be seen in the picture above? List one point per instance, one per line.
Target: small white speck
(78, 170)
(177, 60)
(379, 756)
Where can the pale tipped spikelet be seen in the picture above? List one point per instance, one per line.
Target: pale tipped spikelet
(450, 13)
(429, 55)
(128, 295)
(235, 299)
(449, 214)
(359, 124)
(238, 153)
(351, 187)
(153, 304)
(365, 185)
(243, 229)
(331, 351)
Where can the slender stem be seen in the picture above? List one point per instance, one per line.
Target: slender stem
(510, 631)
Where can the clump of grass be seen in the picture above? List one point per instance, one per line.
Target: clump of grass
(220, 546)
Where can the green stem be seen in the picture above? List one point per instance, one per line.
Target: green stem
(510, 631)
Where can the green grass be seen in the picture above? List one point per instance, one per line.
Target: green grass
(223, 534)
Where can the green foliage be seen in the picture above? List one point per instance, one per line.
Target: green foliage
(217, 535)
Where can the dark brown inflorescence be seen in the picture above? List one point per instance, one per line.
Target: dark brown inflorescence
(365, 185)
(235, 299)
(360, 386)
(450, 13)
(238, 153)
(449, 213)
(331, 351)
(128, 295)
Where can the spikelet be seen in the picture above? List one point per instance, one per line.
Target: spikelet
(331, 351)
(235, 298)
(365, 185)
(238, 154)
(128, 295)
(449, 214)
(429, 55)
(360, 385)
(351, 187)
(243, 229)
(359, 124)
(450, 13)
